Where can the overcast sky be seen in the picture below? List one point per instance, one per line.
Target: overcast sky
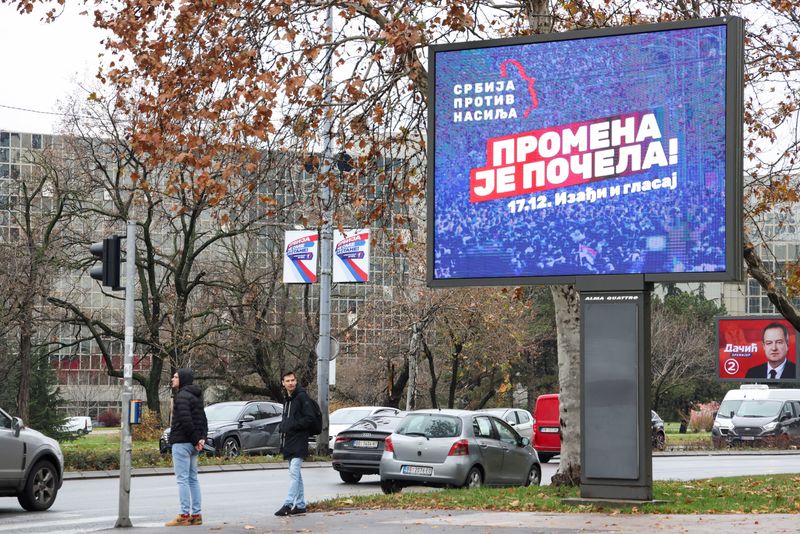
(42, 63)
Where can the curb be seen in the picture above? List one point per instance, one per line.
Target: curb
(161, 471)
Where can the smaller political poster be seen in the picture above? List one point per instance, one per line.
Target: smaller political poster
(351, 255)
(756, 349)
(300, 257)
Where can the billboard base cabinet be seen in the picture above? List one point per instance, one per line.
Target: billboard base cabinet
(616, 456)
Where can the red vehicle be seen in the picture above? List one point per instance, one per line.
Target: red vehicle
(547, 427)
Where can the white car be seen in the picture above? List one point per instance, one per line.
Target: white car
(520, 419)
(344, 418)
(78, 425)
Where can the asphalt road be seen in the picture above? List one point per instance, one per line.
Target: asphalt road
(244, 501)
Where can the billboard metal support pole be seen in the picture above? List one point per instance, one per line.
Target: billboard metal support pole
(125, 441)
(326, 259)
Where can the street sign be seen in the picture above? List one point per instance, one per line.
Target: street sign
(334, 347)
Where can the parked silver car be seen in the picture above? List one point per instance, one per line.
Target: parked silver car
(31, 465)
(520, 419)
(456, 448)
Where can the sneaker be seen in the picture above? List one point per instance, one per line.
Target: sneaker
(285, 510)
(196, 519)
(297, 511)
(182, 520)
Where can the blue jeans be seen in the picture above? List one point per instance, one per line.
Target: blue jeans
(184, 458)
(295, 498)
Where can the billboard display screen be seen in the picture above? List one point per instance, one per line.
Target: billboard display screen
(756, 349)
(587, 153)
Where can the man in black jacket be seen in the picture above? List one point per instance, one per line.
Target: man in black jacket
(187, 437)
(298, 419)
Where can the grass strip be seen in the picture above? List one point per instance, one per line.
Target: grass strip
(729, 495)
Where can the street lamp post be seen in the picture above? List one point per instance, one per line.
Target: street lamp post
(326, 259)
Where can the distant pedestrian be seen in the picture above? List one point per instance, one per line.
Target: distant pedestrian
(187, 437)
(296, 425)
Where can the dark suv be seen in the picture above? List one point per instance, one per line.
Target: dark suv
(239, 427)
(31, 465)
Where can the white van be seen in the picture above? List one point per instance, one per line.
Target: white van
(78, 425)
(723, 422)
(729, 408)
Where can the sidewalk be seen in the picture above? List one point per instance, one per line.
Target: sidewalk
(450, 521)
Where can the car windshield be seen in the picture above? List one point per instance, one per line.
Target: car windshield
(727, 407)
(759, 408)
(223, 412)
(348, 416)
(430, 425)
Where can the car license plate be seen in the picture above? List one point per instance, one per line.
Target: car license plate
(549, 429)
(748, 438)
(365, 444)
(416, 470)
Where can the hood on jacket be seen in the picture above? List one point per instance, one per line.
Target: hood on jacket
(185, 377)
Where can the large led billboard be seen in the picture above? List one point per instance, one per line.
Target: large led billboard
(601, 152)
(756, 349)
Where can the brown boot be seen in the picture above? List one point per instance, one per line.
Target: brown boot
(196, 519)
(180, 521)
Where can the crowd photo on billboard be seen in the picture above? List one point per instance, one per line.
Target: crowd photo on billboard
(584, 156)
(756, 349)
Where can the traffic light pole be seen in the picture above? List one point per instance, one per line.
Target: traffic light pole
(125, 441)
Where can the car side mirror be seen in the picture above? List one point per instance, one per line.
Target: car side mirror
(16, 426)
(248, 419)
(785, 417)
(732, 414)
(524, 442)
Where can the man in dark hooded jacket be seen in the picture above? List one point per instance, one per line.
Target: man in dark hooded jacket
(296, 425)
(187, 437)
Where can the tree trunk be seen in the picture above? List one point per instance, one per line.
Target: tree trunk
(567, 307)
(152, 387)
(451, 397)
(24, 392)
(25, 344)
(434, 378)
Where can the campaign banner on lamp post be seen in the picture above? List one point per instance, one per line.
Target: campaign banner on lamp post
(300, 256)
(351, 255)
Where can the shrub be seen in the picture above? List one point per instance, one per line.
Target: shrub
(109, 418)
(83, 460)
(702, 417)
(150, 427)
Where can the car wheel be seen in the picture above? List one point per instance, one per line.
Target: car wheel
(41, 487)
(390, 486)
(230, 447)
(534, 476)
(349, 478)
(660, 441)
(474, 478)
(544, 457)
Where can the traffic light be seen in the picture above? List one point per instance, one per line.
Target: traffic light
(108, 250)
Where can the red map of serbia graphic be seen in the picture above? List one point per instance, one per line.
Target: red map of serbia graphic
(531, 82)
